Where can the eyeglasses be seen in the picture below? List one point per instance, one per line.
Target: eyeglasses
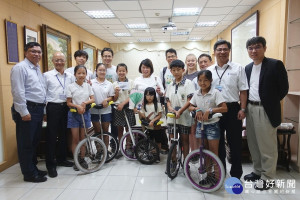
(35, 52)
(222, 49)
(173, 56)
(59, 61)
(107, 56)
(258, 47)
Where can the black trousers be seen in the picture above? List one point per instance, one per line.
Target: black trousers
(57, 117)
(233, 127)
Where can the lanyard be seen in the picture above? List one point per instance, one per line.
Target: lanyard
(222, 73)
(63, 86)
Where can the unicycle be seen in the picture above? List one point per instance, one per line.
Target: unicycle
(203, 169)
(111, 142)
(175, 157)
(90, 153)
(146, 150)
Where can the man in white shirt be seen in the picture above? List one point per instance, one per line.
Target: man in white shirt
(230, 79)
(81, 57)
(57, 81)
(165, 74)
(29, 97)
(107, 55)
(268, 85)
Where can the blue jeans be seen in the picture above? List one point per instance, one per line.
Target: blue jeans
(28, 136)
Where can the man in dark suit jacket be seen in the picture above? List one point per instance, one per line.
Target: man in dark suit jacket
(268, 85)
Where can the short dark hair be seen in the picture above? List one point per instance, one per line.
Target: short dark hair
(171, 50)
(30, 45)
(122, 65)
(107, 49)
(148, 63)
(177, 63)
(206, 73)
(256, 40)
(80, 52)
(78, 67)
(219, 42)
(204, 55)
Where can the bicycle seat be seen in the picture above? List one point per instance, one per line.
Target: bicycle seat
(146, 123)
(87, 107)
(100, 106)
(171, 115)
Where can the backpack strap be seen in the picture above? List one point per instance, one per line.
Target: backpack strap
(164, 81)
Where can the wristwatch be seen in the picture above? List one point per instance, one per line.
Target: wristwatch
(210, 111)
(243, 109)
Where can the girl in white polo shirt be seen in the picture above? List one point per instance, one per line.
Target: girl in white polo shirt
(79, 94)
(206, 101)
(104, 93)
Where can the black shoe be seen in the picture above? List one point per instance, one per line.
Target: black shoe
(262, 185)
(65, 163)
(42, 173)
(251, 177)
(52, 172)
(75, 168)
(35, 179)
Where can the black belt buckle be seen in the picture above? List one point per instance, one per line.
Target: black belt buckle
(30, 103)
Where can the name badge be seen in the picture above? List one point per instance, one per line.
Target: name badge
(219, 87)
(62, 97)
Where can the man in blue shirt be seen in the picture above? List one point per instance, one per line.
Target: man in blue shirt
(29, 95)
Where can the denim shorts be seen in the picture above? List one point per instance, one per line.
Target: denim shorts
(211, 131)
(104, 117)
(75, 120)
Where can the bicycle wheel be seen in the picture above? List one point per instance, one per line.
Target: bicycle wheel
(208, 179)
(174, 160)
(126, 144)
(112, 148)
(90, 158)
(146, 151)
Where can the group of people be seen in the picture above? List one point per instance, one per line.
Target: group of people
(254, 92)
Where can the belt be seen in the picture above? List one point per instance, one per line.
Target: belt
(231, 103)
(30, 103)
(57, 104)
(256, 103)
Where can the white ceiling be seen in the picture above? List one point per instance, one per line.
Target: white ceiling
(154, 13)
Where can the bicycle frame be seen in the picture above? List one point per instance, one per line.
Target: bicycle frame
(202, 161)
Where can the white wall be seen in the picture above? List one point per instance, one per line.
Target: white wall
(133, 54)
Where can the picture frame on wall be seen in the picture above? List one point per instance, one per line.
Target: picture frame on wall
(12, 50)
(30, 35)
(52, 41)
(245, 30)
(99, 57)
(91, 51)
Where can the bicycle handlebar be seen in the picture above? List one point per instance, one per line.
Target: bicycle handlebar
(211, 116)
(87, 107)
(100, 106)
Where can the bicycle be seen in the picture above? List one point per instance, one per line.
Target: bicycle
(90, 153)
(112, 144)
(146, 150)
(202, 168)
(129, 140)
(175, 157)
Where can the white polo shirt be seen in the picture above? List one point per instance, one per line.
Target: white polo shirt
(232, 82)
(151, 109)
(56, 85)
(79, 93)
(125, 87)
(177, 95)
(102, 91)
(210, 100)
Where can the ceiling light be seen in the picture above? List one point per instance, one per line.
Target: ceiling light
(145, 40)
(186, 11)
(206, 24)
(180, 33)
(99, 14)
(137, 26)
(195, 38)
(122, 34)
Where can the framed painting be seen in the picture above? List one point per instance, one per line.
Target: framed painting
(91, 51)
(12, 50)
(54, 40)
(239, 36)
(99, 57)
(30, 35)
